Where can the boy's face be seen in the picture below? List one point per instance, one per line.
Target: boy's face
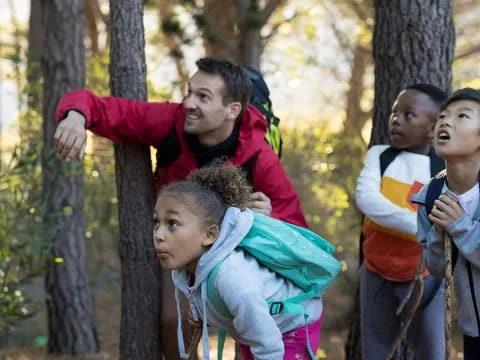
(179, 235)
(457, 131)
(205, 114)
(412, 121)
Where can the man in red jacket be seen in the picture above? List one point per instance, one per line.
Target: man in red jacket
(213, 121)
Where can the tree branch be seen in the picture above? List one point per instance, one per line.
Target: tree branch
(268, 10)
(468, 51)
(417, 280)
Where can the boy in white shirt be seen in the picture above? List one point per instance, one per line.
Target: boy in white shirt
(391, 249)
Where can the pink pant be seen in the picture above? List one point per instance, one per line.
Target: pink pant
(295, 342)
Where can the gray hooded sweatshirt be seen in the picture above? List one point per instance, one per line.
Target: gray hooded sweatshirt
(465, 233)
(244, 286)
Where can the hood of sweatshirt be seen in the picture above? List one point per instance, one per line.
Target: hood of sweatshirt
(235, 225)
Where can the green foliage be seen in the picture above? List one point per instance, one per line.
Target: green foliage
(24, 237)
(100, 212)
(323, 167)
(97, 72)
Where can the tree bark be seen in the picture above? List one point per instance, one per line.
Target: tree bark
(232, 30)
(35, 41)
(71, 318)
(413, 42)
(91, 24)
(140, 323)
(166, 13)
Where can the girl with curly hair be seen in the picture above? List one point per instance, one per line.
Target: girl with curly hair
(197, 224)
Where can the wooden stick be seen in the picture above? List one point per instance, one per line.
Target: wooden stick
(448, 295)
(417, 281)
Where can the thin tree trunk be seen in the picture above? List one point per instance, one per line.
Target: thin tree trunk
(140, 323)
(448, 295)
(91, 24)
(35, 41)
(219, 35)
(352, 128)
(71, 318)
(166, 14)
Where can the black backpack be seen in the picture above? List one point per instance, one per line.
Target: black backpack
(260, 98)
(437, 164)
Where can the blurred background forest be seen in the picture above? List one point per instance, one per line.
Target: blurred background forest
(316, 56)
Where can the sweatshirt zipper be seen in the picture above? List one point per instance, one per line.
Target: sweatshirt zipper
(472, 292)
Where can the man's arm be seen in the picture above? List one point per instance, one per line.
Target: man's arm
(374, 204)
(121, 120)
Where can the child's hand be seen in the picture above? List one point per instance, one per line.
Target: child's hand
(260, 202)
(445, 211)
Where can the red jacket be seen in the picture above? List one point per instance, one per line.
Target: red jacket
(135, 122)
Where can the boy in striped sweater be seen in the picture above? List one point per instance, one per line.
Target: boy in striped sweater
(391, 248)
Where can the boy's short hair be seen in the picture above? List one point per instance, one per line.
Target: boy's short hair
(462, 94)
(436, 94)
(238, 86)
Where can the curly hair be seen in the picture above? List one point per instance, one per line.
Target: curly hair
(211, 190)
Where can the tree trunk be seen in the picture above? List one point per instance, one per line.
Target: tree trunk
(140, 323)
(91, 24)
(219, 34)
(71, 318)
(35, 41)
(166, 14)
(413, 41)
(355, 117)
(232, 30)
(352, 128)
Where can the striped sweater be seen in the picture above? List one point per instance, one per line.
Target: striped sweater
(391, 248)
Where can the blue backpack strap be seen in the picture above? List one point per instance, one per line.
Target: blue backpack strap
(437, 164)
(433, 192)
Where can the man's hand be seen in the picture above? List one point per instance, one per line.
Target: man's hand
(260, 202)
(445, 211)
(70, 138)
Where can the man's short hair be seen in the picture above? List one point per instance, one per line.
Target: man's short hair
(462, 94)
(238, 86)
(436, 94)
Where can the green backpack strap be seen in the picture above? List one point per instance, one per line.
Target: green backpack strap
(291, 305)
(219, 305)
(214, 296)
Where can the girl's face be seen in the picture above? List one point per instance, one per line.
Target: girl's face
(180, 235)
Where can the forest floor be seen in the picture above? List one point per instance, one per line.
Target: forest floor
(20, 344)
